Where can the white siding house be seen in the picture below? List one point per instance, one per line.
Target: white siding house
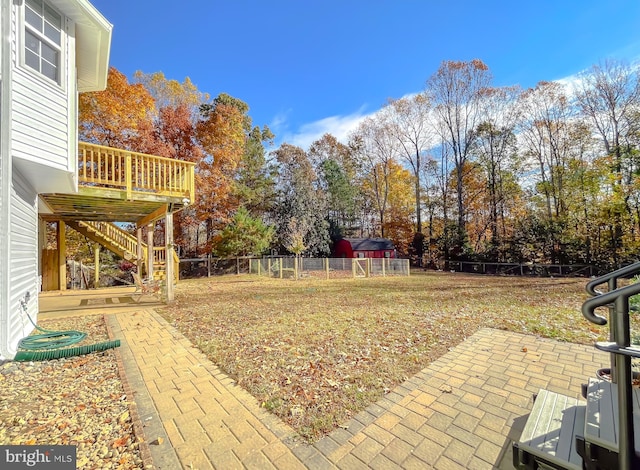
(50, 50)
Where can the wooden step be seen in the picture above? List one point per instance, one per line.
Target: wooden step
(601, 426)
(549, 436)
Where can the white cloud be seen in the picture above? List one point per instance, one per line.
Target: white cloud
(338, 126)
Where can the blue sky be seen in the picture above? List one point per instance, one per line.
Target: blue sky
(315, 66)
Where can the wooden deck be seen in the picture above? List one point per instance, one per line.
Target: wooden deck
(119, 185)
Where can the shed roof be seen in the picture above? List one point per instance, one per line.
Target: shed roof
(370, 244)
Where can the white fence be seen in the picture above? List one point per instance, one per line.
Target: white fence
(328, 268)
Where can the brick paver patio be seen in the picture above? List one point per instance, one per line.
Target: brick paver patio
(461, 412)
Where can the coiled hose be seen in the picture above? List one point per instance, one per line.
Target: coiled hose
(47, 345)
(50, 339)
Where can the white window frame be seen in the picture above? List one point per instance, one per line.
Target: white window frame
(59, 48)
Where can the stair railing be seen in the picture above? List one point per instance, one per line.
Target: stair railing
(618, 300)
(127, 241)
(611, 279)
(160, 257)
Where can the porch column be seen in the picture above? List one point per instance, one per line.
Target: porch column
(150, 228)
(96, 271)
(168, 269)
(139, 253)
(62, 255)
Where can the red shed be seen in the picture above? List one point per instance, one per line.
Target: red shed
(364, 248)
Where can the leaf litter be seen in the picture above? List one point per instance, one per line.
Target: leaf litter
(316, 352)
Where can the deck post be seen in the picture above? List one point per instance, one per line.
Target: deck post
(139, 251)
(96, 271)
(168, 266)
(150, 251)
(62, 255)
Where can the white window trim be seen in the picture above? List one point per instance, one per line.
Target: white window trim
(62, 69)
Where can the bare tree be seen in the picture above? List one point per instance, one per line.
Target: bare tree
(609, 95)
(408, 120)
(456, 93)
(545, 138)
(377, 148)
(496, 146)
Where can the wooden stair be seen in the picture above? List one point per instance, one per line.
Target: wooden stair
(123, 244)
(112, 237)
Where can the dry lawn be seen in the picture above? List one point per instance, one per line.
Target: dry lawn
(315, 352)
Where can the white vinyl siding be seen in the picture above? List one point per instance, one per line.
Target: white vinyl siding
(41, 114)
(23, 259)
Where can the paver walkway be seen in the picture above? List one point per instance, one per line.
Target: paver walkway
(462, 411)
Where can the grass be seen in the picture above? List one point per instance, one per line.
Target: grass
(315, 352)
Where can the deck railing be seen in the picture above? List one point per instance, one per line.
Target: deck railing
(160, 257)
(135, 172)
(114, 233)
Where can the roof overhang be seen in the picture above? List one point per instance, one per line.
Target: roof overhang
(93, 42)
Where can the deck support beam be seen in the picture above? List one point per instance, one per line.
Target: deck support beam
(96, 271)
(139, 251)
(150, 228)
(168, 238)
(62, 255)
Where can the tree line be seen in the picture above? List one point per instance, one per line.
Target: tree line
(463, 170)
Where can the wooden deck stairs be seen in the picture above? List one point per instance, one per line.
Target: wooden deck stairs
(123, 244)
(118, 185)
(601, 432)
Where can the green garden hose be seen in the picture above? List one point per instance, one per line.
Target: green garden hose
(47, 345)
(49, 339)
(24, 356)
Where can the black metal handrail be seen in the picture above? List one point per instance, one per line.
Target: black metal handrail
(618, 301)
(612, 277)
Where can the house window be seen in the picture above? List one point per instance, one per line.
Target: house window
(43, 39)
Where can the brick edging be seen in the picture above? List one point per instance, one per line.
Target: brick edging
(143, 446)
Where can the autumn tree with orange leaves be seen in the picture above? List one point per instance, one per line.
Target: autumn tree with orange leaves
(121, 116)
